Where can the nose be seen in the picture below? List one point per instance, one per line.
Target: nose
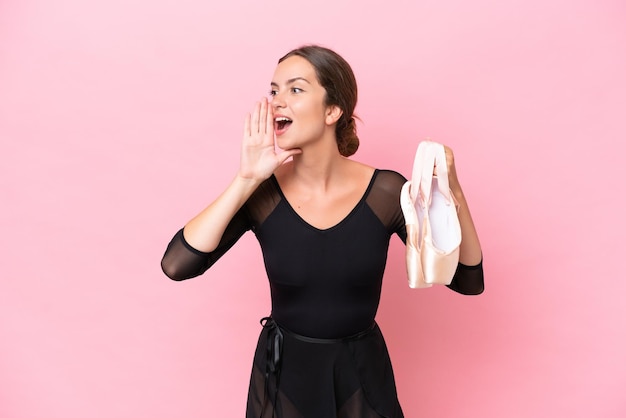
(277, 100)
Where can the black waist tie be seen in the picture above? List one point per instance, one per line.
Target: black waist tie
(272, 362)
(275, 337)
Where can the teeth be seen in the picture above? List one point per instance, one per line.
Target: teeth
(282, 119)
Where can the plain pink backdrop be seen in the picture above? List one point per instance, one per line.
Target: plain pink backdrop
(120, 119)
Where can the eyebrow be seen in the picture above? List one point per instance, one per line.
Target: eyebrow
(292, 80)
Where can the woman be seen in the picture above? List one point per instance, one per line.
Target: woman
(324, 223)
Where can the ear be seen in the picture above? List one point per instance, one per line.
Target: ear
(333, 113)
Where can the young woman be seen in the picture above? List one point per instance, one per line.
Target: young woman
(324, 223)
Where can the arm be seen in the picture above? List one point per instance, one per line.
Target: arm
(468, 278)
(181, 261)
(205, 233)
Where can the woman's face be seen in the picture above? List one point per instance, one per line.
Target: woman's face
(300, 115)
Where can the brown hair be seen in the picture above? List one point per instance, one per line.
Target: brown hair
(336, 77)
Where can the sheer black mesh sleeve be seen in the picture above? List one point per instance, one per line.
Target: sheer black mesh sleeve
(467, 280)
(181, 261)
(384, 200)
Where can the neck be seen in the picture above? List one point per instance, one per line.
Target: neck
(318, 167)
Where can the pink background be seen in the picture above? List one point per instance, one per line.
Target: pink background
(121, 119)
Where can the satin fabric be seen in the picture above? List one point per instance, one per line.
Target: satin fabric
(432, 223)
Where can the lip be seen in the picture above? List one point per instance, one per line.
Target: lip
(277, 131)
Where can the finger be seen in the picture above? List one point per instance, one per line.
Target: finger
(449, 155)
(246, 126)
(263, 116)
(254, 127)
(283, 156)
(269, 128)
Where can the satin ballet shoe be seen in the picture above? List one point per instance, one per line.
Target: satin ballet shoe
(431, 213)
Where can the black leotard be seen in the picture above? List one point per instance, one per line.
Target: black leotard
(324, 283)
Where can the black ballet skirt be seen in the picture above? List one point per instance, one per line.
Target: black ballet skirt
(320, 353)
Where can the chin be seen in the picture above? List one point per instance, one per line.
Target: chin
(284, 143)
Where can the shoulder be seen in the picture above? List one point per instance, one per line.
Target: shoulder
(384, 199)
(386, 186)
(389, 180)
(267, 192)
(262, 202)
(391, 174)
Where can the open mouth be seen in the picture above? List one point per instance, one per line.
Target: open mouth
(281, 124)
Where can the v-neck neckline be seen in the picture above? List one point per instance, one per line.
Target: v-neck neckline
(342, 220)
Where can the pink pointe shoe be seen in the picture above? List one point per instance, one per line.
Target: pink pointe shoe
(431, 218)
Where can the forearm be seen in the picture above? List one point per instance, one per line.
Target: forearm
(205, 230)
(470, 250)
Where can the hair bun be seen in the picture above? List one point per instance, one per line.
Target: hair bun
(347, 139)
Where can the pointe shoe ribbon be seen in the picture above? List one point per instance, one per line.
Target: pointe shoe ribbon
(431, 219)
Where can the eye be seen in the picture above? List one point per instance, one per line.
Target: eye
(273, 93)
(296, 90)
